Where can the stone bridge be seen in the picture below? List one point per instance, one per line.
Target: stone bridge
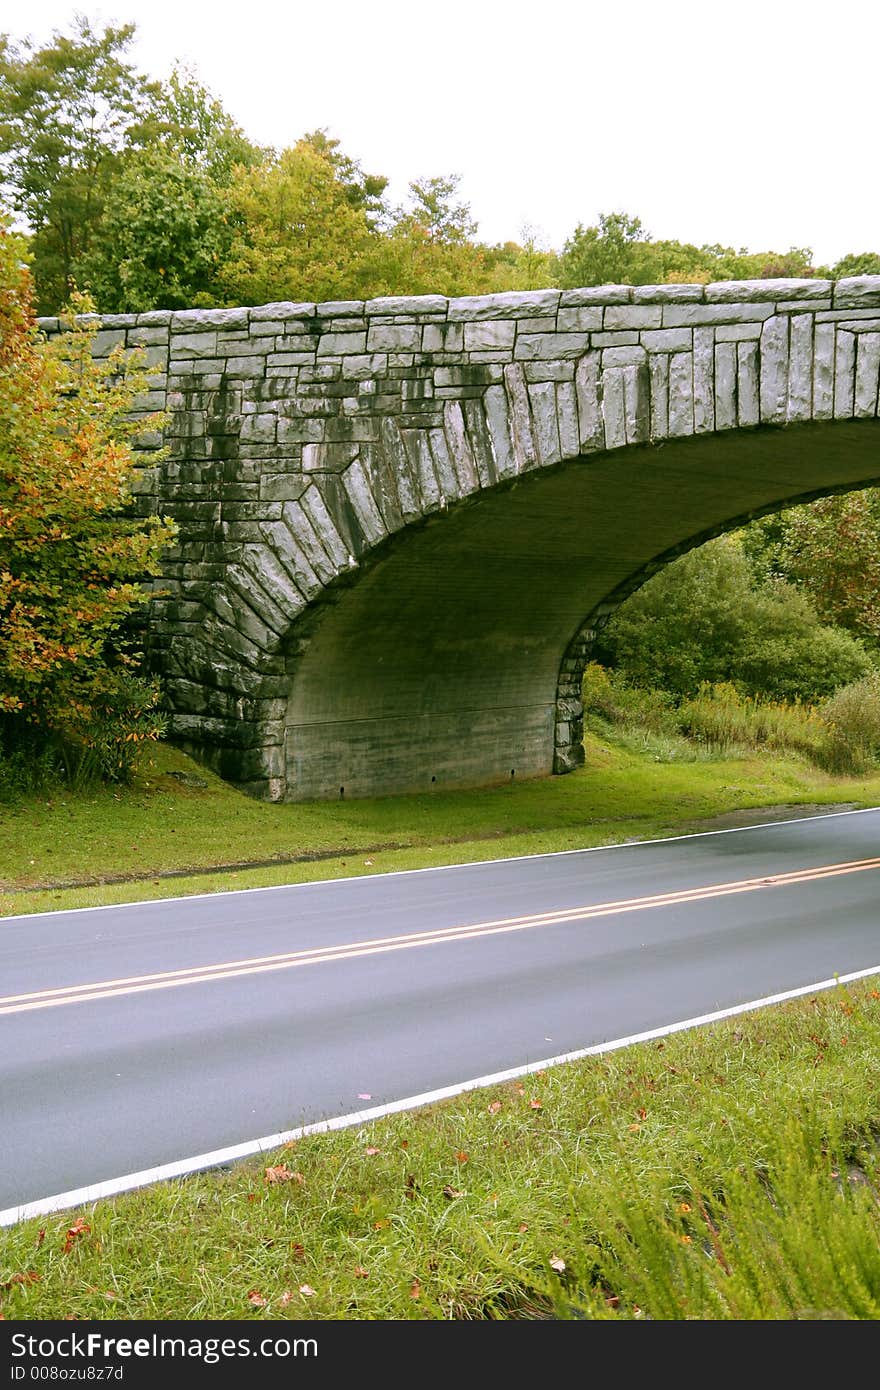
(402, 521)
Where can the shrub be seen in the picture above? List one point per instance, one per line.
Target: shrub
(704, 619)
(851, 742)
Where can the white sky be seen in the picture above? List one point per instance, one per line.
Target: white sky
(752, 123)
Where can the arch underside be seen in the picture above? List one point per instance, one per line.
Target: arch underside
(455, 659)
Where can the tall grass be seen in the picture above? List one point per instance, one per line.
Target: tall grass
(841, 735)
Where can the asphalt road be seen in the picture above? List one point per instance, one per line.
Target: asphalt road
(390, 986)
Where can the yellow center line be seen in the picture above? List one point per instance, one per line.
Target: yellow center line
(255, 965)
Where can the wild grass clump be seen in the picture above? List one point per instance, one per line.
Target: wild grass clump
(851, 742)
(723, 718)
(841, 735)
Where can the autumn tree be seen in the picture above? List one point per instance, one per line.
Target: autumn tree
(73, 554)
(830, 549)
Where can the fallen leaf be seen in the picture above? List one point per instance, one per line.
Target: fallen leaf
(79, 1228)
(368, 861)
(29, 1277)
(41, 1236)
(360, 1272)
(371, 1151)
(521, 1088)
(255, 1298)
(404, 1143)
(281, 1173)
(297, 1251)
(410, 1188)
(415, 1289)
(634, 1128)
(381, 1224)
(461, 1156)
(642, 1113)
(450, 1192)
(557, 1264)
(523, 1225)
(494, 1107)
(535, 1104)
(307, 1291)
(285, 1298)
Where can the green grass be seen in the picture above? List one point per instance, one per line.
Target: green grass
(66, 850)
(725, 1173)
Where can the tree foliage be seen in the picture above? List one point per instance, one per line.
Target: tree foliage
(73, 556)
(829, 549)
(297, 233)
(704, 619)
(68, 110)
(618, 250)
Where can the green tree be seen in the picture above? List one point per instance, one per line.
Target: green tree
(363, 191)
(864, 263)
(703, 618)
(614, 251)
(297, 234)
(73, 556)
(194, 126)
(165, 233)
(427, 247)
(67, 111)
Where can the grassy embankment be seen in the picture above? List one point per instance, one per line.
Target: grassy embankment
(163, 838)
(730, 1172)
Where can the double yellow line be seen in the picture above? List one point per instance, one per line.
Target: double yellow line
(321, 955)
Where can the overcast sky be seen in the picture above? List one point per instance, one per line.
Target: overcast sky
(754, 123)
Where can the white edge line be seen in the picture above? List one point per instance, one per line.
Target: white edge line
(185, 1167)
(399, 873)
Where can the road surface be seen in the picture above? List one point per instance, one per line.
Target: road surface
(137, 1036)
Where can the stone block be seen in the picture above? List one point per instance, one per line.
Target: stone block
(757, 291)
(550, 346)
(632, 316)
(489, 333)
(857, 292)
(596, 294)
(667, 340)
(696, 315)
(283, 311)
(340, 343)
(514, 304)
(587, 319)
(394, 336)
